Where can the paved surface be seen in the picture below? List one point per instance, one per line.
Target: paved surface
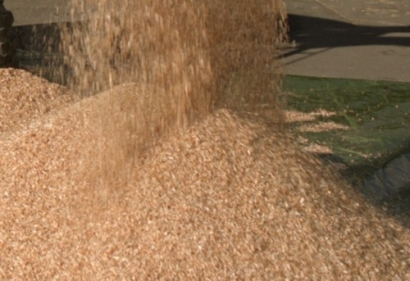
(30, 12)
(363, 39)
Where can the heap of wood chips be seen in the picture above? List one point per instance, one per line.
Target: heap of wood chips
(24, 97)
(229, 198)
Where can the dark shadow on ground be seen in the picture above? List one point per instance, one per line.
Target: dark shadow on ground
(395, 205)
(318, 33)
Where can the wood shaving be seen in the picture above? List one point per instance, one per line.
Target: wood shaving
(322, 127)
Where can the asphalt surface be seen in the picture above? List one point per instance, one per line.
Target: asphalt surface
(34, 12)
(360, 39)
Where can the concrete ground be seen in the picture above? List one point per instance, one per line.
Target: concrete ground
(31, 12)
(361, 39)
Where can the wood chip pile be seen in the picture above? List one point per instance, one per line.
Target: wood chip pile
(145, 182)
(24, 97)
(228, 198)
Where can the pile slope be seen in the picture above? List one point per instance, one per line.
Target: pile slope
(225, 199)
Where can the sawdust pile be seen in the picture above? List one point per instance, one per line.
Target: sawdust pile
(226, 199)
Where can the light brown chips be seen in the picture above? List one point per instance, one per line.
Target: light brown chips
(111, 188)
(226, 199)
(24, 97)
